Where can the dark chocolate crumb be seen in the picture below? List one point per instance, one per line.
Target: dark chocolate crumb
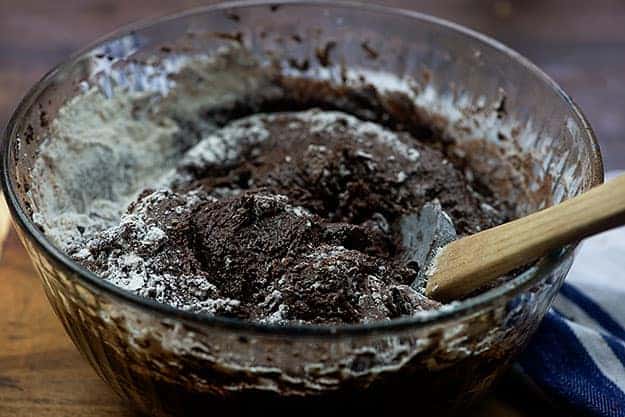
(43, 119)
(302, 65)
(500, 107)
(233, 16)
(371, 53)
(29, 134)
(323, 54)
(236, 36)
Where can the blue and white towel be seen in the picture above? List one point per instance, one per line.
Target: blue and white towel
(578, 353)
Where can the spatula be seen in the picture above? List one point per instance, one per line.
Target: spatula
(469, 263)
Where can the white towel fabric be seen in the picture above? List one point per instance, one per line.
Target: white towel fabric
(578, 353)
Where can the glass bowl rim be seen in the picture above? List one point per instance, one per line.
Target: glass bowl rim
(469, 306)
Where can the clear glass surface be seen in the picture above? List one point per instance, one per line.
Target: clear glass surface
(169, 362)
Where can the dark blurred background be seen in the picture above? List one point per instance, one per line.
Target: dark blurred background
(579, 43)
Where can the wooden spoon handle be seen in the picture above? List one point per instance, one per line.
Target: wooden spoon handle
(469, 263)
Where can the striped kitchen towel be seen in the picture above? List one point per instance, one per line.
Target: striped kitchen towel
(578, 353)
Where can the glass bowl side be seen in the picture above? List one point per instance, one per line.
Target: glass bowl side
(168, 362)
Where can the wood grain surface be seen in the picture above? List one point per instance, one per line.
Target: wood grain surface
(580, 43)
(41, 373)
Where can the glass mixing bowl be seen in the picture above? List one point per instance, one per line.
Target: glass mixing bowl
(169, 362)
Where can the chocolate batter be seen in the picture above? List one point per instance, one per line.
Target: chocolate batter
(289, 217)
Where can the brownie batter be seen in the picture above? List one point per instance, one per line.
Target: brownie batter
(302, 217)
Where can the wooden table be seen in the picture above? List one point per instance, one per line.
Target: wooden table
(580, 43)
